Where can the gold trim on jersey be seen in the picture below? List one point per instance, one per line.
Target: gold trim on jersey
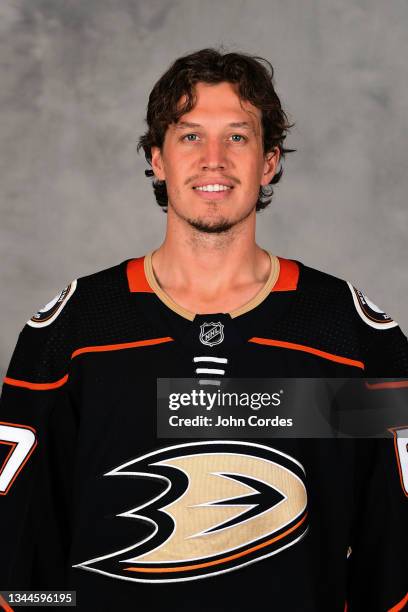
(255, 301)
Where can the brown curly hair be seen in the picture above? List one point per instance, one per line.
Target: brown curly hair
(255, 85)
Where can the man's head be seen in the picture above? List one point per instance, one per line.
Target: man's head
(215, 119)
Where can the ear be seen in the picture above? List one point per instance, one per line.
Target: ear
(157, 163)
(270, 166)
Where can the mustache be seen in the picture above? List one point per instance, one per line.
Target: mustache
(223, 176)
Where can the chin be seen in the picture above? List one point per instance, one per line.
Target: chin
(212, 226)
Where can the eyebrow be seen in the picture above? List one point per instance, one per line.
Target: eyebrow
(181, 125)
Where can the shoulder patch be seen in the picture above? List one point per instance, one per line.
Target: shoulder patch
(48, 313)
(369, 312)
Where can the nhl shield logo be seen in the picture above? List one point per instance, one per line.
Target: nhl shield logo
(212, 333)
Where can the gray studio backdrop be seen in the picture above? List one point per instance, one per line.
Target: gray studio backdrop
(75, 78)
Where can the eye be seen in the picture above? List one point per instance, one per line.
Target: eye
(239, 136)
(188, 139)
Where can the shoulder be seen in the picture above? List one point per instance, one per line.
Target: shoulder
(339, 307)
(92, 292)
(348, 296)
(48, 339)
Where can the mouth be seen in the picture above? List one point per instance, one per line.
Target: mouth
(215, 191)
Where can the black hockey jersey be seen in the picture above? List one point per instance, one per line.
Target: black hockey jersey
(93, 500)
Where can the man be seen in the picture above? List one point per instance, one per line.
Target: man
(96, 500)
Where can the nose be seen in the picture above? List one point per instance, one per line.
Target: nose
(213, 155)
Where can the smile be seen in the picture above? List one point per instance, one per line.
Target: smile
(215, 187)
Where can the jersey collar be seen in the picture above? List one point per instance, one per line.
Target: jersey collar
(283, 276)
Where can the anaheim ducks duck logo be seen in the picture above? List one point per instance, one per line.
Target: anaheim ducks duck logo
(226, 504)
(369, 312)
(48, 313)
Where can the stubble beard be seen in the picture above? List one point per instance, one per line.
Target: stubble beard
(220, 225)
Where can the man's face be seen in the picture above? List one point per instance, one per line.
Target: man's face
(212, 160)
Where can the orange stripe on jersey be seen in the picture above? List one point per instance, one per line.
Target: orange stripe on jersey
(136, 276)
(36, 386)
(397, 384)
(308, 349)
(399, 606)
(86, 349)
(4, 605)
(217, 561)
(288, 275)
(118, 347)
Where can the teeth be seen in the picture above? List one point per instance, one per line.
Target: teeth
(215, 187)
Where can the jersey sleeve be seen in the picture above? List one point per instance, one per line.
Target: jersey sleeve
(378, 563)
(38, 428)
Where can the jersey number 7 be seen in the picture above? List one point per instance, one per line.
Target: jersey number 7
(22, 441)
